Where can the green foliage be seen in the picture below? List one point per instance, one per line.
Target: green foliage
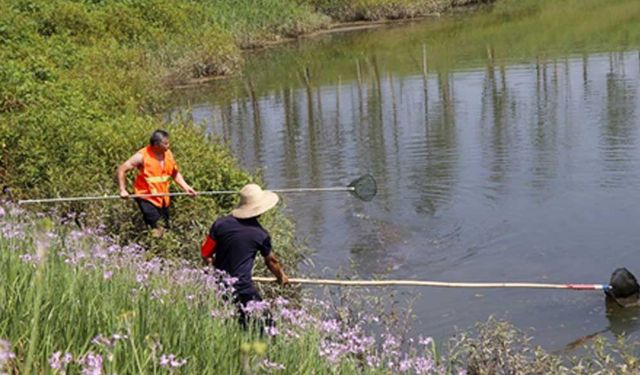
(356, 10)
(252, 22)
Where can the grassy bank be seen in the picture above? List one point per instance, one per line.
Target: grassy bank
(75, 301)
(372, 10)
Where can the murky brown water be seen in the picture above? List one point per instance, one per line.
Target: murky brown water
(516, 157)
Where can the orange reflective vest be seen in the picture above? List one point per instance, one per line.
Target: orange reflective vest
(153, 179)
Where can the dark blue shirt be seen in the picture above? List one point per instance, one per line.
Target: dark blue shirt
(237, 243)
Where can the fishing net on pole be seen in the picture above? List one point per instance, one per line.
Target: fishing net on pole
(364, 187)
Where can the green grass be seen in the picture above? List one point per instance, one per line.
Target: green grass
(75, 291)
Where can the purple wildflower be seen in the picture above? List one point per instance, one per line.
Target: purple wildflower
(272, 331)
(272, 365)
(425, 341)
(331, 351)
(280, 301)
(6, 354)
(141, 278)
(91, 364)
(255, 307)
(16, 211)
(391, 345)
(102, 341)
(297, 318)
(10, 231)
(405, 364)
(423, 365)
(373, 361)
(330, 326)
(59, 362)
(229, 280)
(291, 334)
(171, 361)
(26, 258)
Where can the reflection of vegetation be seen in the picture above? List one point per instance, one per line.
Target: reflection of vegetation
(619, 126)
(496, 119)
(516, 29)
(437, 174)
(620, 92)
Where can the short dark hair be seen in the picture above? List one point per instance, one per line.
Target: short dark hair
(157, 137)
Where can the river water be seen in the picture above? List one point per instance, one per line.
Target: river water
(505, 144)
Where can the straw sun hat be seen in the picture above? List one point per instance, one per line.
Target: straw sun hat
(254, 201)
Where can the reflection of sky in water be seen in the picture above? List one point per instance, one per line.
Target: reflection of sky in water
(525, 172)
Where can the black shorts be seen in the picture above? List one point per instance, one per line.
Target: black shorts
(151, 214)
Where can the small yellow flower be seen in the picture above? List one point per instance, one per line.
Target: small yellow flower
(245, 347)
(260, 347)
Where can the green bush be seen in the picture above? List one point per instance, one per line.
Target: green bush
(80, 90)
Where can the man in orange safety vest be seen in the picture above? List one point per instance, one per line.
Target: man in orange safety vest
(156, 167)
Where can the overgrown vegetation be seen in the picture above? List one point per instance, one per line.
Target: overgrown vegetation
(75, 301)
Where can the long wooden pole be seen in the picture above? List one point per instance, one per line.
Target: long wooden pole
(218, 192)
(437, 284)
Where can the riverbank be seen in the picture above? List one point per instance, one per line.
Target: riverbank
(75, 301)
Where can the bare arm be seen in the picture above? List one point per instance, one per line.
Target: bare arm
(276, 269)
(183, 184)
(134, 162)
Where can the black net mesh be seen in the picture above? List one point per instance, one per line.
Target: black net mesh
(364, 187)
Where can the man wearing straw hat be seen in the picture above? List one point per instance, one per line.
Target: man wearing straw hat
(234, 241)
